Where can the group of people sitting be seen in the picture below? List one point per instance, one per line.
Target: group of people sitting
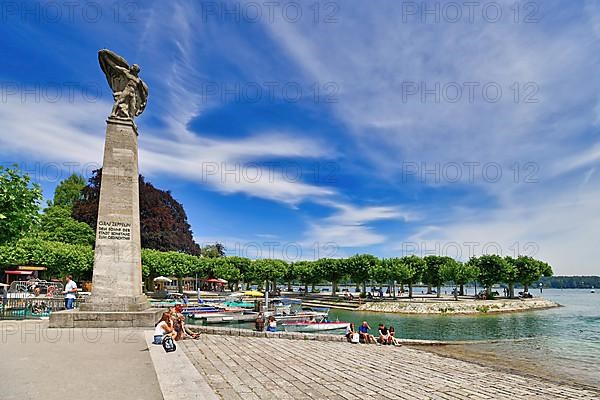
(172, 323)
(259, 323)
(386, 336)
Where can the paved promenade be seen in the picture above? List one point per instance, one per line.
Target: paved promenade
(37, 362)
(249, 368)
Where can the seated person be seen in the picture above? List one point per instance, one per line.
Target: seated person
(163, 328)
(272, 327)
(179, 324)
(349, 332)
(363, 330)
(259, 323)
(384, 335)
(393, 339)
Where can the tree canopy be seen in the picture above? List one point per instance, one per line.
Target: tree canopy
(57, 225)
(19, 204)
(68, 191)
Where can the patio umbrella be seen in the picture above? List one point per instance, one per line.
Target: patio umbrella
(162, 279)
(214, 280)
(253, 293)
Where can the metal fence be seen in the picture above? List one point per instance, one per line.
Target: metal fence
(31, 307)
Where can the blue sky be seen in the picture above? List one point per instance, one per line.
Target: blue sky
(440, 132)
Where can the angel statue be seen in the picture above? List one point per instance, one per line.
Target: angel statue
(129, 91)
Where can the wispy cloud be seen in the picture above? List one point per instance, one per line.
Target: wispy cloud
(349, 225)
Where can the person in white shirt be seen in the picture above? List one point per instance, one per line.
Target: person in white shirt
(70, 293)
(164, 328)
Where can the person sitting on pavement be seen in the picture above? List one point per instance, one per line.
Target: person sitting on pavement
(179, 324)
(163, 328)
(272, 324)
(393, 339)
(363, 330)
(349, 331)
(259, 323)
(384, 335)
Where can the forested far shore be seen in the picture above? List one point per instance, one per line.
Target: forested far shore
(570, 282)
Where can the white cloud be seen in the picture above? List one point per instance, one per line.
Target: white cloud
(74, 132)
(348, 226)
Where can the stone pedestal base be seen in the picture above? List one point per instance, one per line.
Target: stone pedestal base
(100, 319)
(116, 304)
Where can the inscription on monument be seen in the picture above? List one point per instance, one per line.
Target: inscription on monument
(114, 230)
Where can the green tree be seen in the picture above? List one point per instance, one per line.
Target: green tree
(381, 273)
(465, 273)
(415, 268)
(359, 269)
(491, 267)
(19, 204)
(183, 265)
(308, 273)
(213, 250)
(68, 191)
(531, 270)
(156, 263)
(223, 268)
(60, 259)
(396, 271)
(290, 274)
(332, 270)
(510, 274)
(242, 264)
(56, 224)
(433, 274)
(459, 273)
(268, 270)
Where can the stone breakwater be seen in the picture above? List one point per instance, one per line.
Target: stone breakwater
(461, 306)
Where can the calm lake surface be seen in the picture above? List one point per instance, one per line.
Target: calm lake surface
(560, 344)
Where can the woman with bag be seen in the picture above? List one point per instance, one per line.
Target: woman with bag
(164, 328)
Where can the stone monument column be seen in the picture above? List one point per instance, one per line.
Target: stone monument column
(117, 280)
(117, 299)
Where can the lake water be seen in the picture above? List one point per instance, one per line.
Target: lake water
(560, 344)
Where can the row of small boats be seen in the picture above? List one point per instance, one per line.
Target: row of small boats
(289, 314)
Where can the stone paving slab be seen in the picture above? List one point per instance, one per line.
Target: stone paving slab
(177, 376)
(238, 367)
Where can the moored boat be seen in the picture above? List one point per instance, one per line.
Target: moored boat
(219, 313)
(313, 326)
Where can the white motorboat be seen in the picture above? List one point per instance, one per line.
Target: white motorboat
(318, 325)
(220, 315)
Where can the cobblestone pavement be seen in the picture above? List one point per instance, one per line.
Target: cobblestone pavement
(259, 368)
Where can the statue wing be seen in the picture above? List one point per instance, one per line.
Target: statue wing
(142, 92)
(112, 64)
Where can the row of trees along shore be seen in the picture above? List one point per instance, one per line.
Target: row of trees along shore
(61, 238)
(434, 271)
